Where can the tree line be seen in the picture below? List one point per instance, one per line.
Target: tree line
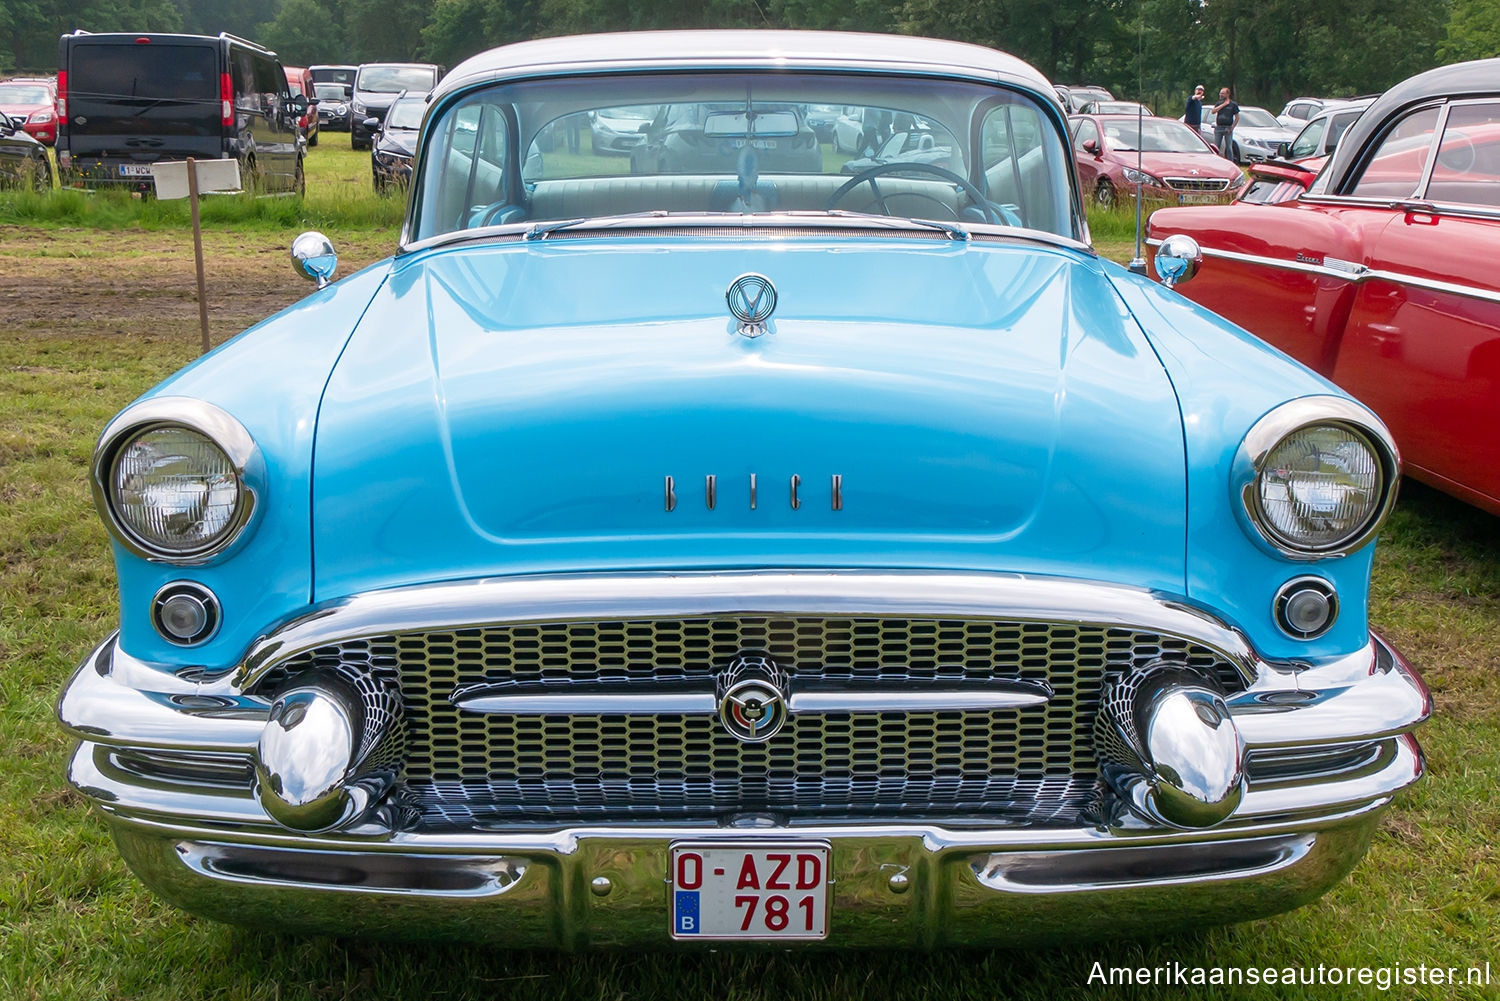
(1157, 50)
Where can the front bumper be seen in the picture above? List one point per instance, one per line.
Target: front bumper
(211, 848)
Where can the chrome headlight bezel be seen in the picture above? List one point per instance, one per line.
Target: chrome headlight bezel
(1289, 419)
(205, 419)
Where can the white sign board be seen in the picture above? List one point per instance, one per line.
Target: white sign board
(214, 176)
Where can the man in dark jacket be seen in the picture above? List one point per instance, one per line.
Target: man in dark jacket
(1194, 117)
(1226, 117)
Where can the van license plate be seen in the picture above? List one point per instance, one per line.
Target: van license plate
(750, 892)
(135, 170)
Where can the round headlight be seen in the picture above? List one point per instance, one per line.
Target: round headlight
(177, 479)
(174, 489)
(1320, 482)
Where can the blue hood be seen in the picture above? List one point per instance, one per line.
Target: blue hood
(518, 407)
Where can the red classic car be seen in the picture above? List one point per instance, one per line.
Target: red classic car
(1170, 162)
(1382, 274)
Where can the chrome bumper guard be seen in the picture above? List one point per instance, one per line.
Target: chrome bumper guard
(213, 849)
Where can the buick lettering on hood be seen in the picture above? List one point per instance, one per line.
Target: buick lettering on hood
(711, 545)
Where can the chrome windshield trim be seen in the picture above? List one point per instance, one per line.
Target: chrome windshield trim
(833, 222)
(1351, 272)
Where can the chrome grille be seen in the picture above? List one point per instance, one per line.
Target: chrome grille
(1197, 183)
(1034, 764)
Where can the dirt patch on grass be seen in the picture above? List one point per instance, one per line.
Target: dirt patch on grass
(131, 282)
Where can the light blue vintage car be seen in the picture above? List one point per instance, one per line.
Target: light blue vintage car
(640, 559)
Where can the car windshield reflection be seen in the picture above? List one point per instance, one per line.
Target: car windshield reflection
(744, 143)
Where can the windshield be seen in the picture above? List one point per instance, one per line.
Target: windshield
(406, 113)
(11, 93)
(742, 143)
(1258, 118)
(1155, 135)
(395, 79)
(329, 91)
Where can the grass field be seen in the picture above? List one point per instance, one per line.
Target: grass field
(97, 305)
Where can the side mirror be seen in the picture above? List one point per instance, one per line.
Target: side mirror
(1090, 146)
(314, 258)
(1283, 151)
(298, 104)
(373, 124)
(1178, 259)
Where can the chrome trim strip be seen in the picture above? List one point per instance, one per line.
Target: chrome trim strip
(978, 697)
(818, 697)
(205, 418)
(1359, 273)
(1433, 148)
(595, 702)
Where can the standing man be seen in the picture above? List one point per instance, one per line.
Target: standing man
(1226, 117)
(1194, 117)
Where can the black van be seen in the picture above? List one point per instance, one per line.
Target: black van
(127, 100)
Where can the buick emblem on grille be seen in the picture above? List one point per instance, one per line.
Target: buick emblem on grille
(752, 691)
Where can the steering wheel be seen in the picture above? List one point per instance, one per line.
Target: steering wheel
(869, 174)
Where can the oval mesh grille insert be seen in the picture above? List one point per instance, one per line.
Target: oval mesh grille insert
(1034, 764)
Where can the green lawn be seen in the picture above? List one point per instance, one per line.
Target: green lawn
(98, 306)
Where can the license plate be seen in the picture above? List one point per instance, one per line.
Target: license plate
(1201, 196)
(135, 170)
(756, 143)
(742, 892)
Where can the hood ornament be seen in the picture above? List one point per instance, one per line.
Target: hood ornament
(752, 300)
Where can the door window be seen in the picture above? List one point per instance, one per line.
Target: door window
(1308, 141)
(1086, 130)
(1467, 171)
(1399, 162)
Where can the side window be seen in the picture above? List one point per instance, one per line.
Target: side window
(1025, 165)
(1086, 130)
(1308, 140)
(1337, 126)
(1467, 171)
(270, 83)
(243, 71)
(466, 179)
(1401, 158)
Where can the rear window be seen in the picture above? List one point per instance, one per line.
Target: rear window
(155, 88)
(141, 73)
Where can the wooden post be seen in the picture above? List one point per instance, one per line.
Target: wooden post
(192, 179)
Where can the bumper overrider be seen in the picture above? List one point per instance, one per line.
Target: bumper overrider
(262, 795)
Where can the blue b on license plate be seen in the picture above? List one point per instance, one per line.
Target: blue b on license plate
(775, 891)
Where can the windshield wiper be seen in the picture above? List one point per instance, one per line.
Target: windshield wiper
(541, 231)
(953, 230)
